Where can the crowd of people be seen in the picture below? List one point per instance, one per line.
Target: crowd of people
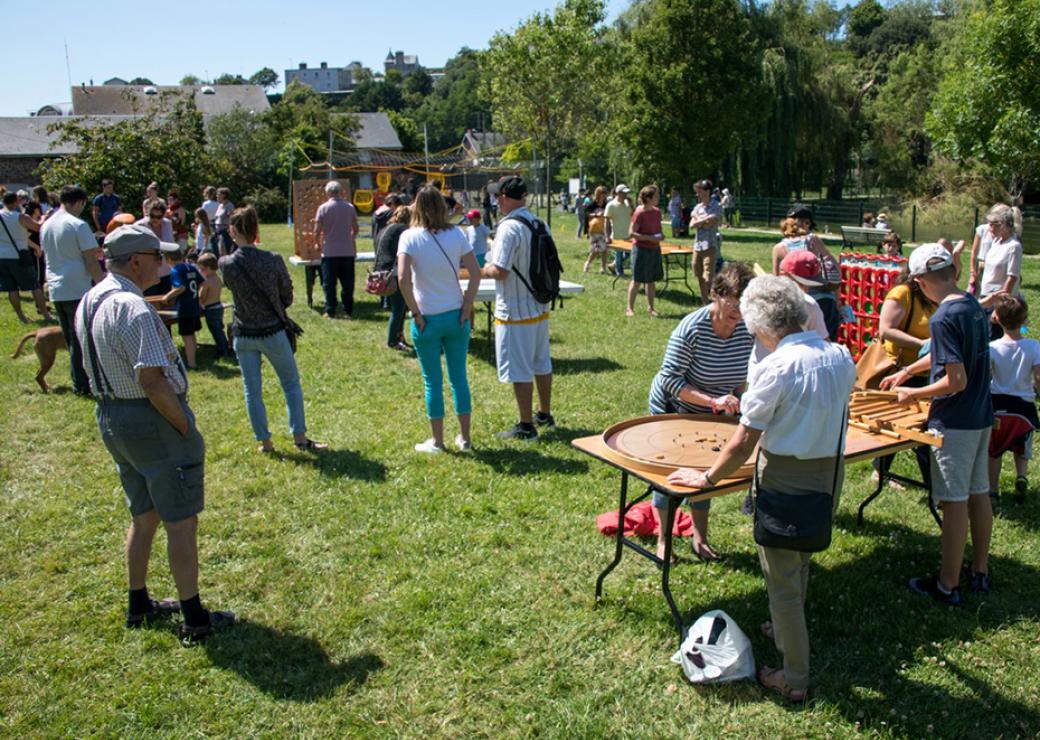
(760, 349)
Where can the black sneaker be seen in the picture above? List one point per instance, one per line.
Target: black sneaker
(160, 610)
(195, 635)
(1021, 486)
(544, 420)
(981, 583)
(526, 433)
(929, 586)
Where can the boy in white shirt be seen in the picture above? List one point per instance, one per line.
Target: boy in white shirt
(1015, 370)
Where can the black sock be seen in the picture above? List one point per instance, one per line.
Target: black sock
(194, 614)
(138, 601)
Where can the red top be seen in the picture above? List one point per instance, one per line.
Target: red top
(646, 221)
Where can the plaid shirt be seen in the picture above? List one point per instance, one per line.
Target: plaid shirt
(128, 335)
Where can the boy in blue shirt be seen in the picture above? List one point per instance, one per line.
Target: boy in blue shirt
(186, 280)
(962, 411)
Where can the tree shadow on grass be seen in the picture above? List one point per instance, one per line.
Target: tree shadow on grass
(338, 463)
(575, 365)
(286, 666)
(525, 462)
(1025, 514)
(868, 633)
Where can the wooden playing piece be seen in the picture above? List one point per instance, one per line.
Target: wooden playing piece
(660, 444)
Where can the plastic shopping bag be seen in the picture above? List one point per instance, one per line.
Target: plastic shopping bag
(715, 651)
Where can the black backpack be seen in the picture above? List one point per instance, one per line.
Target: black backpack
(545, 267)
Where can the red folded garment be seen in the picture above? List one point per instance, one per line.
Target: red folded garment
(1009, 434)
(641, 521)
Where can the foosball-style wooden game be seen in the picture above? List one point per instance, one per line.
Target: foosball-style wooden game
(649, 448)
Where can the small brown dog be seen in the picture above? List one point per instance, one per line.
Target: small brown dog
(48, 340)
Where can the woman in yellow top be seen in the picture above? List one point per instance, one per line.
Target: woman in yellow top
(903, 328)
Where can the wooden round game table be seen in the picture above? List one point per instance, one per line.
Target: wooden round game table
(662, 443)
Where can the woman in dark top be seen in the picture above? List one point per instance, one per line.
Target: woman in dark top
(262, 290)
(386, 259)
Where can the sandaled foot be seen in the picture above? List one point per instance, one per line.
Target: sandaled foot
(629, 312)
(160, 610)
(309, 445)
(652, 312)
(703, 551)
(266, 448)
(660, 555)
(774, 680)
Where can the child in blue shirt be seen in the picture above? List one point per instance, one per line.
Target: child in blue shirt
(186, 280)
(962, 411)
(477, 234)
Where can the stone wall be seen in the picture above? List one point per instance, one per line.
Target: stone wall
(19, 170)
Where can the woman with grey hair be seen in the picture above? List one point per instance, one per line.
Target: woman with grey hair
(1002, 274)
(794, 410)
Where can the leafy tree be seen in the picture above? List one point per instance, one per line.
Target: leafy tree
(542, 74)
(459, 101)
(243, 150)
(408, 131)
(301, 120)
(229, 79)
(417, 86)
(371, 96)
(190, 80)
(265, 78)
(166, 144)
(863, 18)
(692, 90)
(987, 108)
(141, 81)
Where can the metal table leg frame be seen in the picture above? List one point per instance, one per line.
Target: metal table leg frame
(884, 476)
(666, 566)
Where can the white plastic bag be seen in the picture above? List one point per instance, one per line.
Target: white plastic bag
(715, 650)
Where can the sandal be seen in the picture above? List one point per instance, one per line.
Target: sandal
(160, 610)
(218, 620)
(704, 552)
(774, 680)
(311, 445)
(265, 450)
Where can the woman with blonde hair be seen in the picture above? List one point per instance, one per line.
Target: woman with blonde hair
(428, 258)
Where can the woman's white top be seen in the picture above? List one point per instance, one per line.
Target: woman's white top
(435, 278)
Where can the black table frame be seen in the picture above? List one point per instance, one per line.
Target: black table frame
(674, 498)
(667, 260)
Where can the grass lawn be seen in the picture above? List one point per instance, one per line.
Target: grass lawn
(384, 593)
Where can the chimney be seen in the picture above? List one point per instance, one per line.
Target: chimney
(303, 65)
(324, 65)
(399, 57)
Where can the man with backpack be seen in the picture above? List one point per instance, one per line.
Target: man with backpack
(525, 267)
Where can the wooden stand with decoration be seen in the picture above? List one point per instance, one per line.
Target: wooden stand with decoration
(307, 196)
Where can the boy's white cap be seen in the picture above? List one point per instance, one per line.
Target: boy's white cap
(929, 258)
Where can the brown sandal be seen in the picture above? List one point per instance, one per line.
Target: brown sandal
(774, 680)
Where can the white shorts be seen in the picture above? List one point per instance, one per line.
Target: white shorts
(522, 351)
(960, 468)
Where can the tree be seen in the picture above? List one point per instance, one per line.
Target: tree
(691, 90)
(302, 121)
(863, 18)
(417, 86)
(140, 81)
(542, 75)
(229, 79)
(459, 101)
(190, 80)
(243, 150)
(408, 131)
(265, 78)
(166, 144)
(987, 107)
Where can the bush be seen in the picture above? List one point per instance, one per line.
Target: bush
(270, 203)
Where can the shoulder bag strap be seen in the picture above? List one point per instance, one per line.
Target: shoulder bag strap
(3, 222)
(88, 321)
(454, 269)
(530, 227)
(839, 456)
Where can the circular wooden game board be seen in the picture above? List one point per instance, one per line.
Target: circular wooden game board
(660, 444)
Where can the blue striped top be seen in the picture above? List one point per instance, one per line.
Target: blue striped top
(698, 357)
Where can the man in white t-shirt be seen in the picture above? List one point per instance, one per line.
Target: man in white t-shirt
(521, 322)
(72, 268)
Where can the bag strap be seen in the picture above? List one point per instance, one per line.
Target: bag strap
(3, 222)
(450, 264)
(839, 455)
(530, 226)
(88, 321)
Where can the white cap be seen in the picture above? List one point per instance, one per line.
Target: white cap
(929, 258)
(622, 188)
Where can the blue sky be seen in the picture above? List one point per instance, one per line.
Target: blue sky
(165, 41)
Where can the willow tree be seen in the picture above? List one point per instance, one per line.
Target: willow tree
(542, 76)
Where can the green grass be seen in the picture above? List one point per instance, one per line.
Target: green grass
(384, 594)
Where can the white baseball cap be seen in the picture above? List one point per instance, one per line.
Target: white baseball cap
(929, 258)
(622, 188)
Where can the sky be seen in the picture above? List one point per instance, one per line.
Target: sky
(238, 38)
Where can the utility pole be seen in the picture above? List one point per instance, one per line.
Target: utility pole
(426, 149)
(330, 152)
(292, 158)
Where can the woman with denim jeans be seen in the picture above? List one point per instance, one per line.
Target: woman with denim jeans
(262, 290)
(428, 261)
(386, 259)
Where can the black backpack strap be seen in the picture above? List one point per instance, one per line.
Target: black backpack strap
(530, 226)
(105, 387)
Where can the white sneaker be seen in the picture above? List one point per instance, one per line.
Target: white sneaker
(429, 446)
(462, 444)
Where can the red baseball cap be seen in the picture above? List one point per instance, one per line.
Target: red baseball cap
(803, 266)
(473, 214)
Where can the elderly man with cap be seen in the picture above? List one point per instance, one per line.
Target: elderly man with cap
(140, 383)
(619, 222)
(521, 321)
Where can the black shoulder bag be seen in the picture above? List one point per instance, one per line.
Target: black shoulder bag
(799, 522)
(292, 330)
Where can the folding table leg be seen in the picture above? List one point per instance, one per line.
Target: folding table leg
(619, 538)
(666, 566)
(883, 465)
(308, 276)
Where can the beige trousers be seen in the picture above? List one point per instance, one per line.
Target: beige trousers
(787, 582)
